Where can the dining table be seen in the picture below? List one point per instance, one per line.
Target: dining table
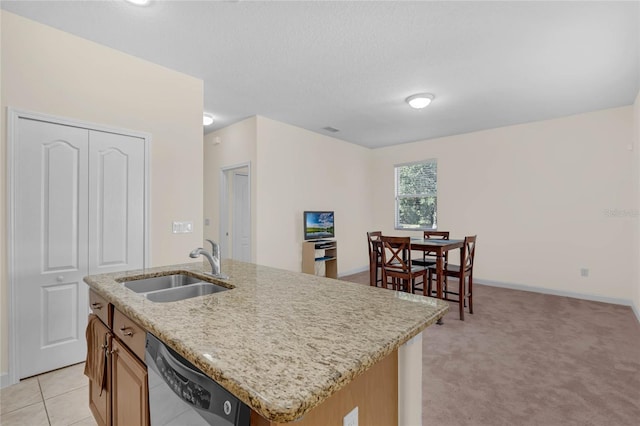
(438, 248)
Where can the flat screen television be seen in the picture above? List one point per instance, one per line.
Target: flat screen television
(318, 225)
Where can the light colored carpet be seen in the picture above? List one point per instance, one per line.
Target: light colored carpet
(526, 358)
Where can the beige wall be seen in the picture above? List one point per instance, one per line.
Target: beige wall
(636, 261)
(300, 170)
(48, 71)
(545, 199)
(231, 146)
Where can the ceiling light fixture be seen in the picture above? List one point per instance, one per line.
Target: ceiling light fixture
(207, 119)
(139, 2)
(420, 100)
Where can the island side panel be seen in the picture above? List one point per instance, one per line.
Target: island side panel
(374, 392)
(410, 382)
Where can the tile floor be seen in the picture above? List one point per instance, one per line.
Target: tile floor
(57, 398)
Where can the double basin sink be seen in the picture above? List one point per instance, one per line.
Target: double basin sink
(171, 288)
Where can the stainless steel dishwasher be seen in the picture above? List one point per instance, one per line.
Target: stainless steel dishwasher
(180, 394)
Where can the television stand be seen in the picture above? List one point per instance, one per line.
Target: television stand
(317, 253)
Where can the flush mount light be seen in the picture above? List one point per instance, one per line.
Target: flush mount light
(420, 100)
(139, 2)
(207, 119)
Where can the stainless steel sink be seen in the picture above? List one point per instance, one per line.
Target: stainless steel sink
(159, 283)
(186, 292)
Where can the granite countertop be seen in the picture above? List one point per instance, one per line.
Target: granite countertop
(280, 341)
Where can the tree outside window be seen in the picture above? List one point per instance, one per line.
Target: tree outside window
(416, 195)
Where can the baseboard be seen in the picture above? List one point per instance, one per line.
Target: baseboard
(353, 271)
(636, 311)
(513, 286)
(575, 295)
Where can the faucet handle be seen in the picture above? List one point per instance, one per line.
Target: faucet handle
(215, 248)
(195, 252)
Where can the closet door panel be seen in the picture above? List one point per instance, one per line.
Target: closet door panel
(116, 202)
(50, 243)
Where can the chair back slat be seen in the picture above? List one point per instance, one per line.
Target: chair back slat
(395, 253)
(468, 252)
(396, 264)
(371, 237)
(375, 256)
(435, 235)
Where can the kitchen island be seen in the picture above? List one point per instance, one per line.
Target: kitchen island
(283, 342)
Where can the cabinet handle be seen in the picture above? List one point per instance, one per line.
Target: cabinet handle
(126, 333)
(96, 305)
(113, 351)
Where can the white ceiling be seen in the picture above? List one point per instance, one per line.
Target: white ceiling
(350, 65)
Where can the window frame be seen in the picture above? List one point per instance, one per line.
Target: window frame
(397, 197)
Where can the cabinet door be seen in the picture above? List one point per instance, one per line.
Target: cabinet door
(130, 388)
(100, 400)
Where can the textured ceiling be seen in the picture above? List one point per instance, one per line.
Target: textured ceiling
(350, 65)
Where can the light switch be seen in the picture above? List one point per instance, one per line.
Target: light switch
(182, 227)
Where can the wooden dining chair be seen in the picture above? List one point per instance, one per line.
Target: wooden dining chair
(396, 264)
(427, 258)
(375, 257)
(464, 274)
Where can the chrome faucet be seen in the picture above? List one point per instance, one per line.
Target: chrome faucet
(213, 258)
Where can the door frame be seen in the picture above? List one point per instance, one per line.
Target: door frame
(224, 208)
(13, 117)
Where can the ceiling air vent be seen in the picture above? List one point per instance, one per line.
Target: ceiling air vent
(330, 129)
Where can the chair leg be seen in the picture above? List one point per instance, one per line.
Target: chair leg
(461, 296)
(424, 285)
(471, 293)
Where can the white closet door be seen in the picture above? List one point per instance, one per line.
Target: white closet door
(116, 202)
(241, 218)
(50, 241)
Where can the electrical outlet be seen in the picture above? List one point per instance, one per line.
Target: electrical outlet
(584, 272)
(351, 419)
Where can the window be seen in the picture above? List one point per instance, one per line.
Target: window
(416, 195)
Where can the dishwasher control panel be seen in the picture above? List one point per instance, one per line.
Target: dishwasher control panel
(183, 394)
(189, 391)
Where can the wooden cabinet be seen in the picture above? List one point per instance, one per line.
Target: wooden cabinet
(130, 387)
(125, 400)
(319, 254)
(100, 399)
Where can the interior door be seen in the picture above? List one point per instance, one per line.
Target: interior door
(116, 202)
(50, 243)
(241, 245)
(79, 208)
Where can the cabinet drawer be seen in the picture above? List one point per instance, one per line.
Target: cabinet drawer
(129, 333)
(101, 308)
